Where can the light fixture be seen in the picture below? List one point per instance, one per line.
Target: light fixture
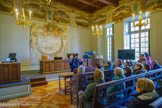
(140, 21)
(23, 22)
(97, 30)
(48, 2)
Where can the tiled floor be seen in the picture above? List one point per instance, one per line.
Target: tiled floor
(42, 97)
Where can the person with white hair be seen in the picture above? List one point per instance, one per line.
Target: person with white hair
(85, 97)
(73, 83)
(118, 74)
(81, 69)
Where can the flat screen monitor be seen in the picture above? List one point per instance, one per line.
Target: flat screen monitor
(126, 54)
(12, 56)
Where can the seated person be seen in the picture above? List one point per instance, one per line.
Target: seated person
(127, 63)
(142, 59)
(119, 63)
(155, 65)
(128, 71)
(118, 74)
(147, 67)
(146, 94)
(108, 66)
(138, 68)
(98, 66)
(73, 83)
(86, 96)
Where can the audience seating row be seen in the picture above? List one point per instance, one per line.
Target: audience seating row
(83, 81)
(154, 75)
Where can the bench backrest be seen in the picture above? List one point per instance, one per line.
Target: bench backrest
(111, 97)
(156, 104)
(83, 81)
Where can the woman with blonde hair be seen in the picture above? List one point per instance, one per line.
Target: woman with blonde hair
(86, 96)
(146, 94)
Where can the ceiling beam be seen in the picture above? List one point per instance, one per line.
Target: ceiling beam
(88, 5)
(85, 2)
(109, 2)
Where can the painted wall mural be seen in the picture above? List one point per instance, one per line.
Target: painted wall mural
(99, 20)
(121, 13)
(61, 17)
(151, 5)
(6, 6)
(82, 21)
(38, 12)
(47, 38)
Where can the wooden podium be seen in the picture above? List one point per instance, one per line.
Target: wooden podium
(9, 72)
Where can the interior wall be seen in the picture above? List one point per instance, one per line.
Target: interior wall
(79, 40)
(118, 38)
(14, 39)
(156, 36)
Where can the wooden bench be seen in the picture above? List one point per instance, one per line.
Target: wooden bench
(156, 104)
(83, 82)
(154, 75)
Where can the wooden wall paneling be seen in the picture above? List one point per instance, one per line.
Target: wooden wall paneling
(47, 66)
(62, 65)
(52, 66)
(6, 73)
(1, 74)
(57, 65)
(16, 74)
(67, 66)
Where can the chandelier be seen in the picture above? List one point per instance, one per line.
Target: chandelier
(140, 21)
(48, 2)
(97, 30)
(22, 22)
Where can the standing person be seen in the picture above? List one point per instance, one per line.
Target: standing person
(155, 65)
(148, 60)
(142, 59)
(75, 62)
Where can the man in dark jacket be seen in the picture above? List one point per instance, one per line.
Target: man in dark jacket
(75, 62)
(146, 94)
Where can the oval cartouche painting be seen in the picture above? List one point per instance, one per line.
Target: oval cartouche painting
(47, 38)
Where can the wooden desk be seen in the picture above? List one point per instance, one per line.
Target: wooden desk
(9, 72)
(50, 66)
(65, 76)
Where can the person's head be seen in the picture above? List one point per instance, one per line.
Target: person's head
(147, 67)
(127, 63)
(154, 62)
(81, 69)
(119, 62)
(71, 56)
(128, 70)
(118, 71)
(138, 66)
(146, 54)
(98, 66)
(108, 63)
(76, 56)
(144, 85)
(141, 56)
(98, 74)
